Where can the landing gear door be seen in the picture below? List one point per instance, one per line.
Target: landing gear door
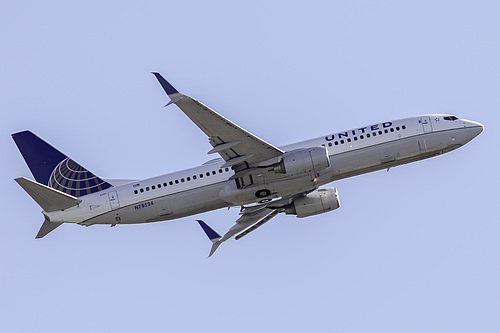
(426, 124)
(113, 200)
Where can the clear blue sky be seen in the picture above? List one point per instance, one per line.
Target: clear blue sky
(413, 250)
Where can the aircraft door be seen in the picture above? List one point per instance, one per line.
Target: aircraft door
(113, 200)
(426, 124)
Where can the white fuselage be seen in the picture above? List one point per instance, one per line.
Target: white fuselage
(208, 187)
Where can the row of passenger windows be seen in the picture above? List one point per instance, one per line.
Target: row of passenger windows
(368, 135)
(182, 180)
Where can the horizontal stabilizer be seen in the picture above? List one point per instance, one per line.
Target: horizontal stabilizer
(46, 197)
(47, 227)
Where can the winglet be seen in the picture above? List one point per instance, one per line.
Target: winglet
(212, 235)
(214, 247)
(169, 89)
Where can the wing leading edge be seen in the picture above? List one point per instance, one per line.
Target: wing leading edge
(238, 147)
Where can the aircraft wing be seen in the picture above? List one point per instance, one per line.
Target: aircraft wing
(251, 219)
(238, 147)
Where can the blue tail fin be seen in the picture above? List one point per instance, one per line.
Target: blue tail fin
(52, 168)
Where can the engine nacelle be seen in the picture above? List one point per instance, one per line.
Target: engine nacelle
(302, 161)
(317, 202)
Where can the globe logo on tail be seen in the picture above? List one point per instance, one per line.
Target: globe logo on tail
(71, 178)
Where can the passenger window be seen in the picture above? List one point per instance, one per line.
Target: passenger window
(188, 179)
(208, 173)
(177, 181)
(227, 169)
(392, 129)
(386, 131)
(397, 128)
(329, 144)
(348, 139)
(213, 172)
(135, 192)
(142, 190)
(171, 182)
(194, 177)
(153, 187)
(164, 184)
(147, 188)
(403, 127)
(368, 135)
(336, 143)
(379, 132)
(201, 175)
(374, 133)
(342, 141)
(220, 170)
(355, 138)
(182, 180)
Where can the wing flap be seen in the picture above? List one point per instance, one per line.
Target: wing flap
(236, 160)
(248, 222)
(224, 146)
(254, 226)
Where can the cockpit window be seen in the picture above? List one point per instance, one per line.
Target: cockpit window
(450, 118)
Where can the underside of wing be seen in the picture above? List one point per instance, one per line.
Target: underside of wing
(238, 147)
(250, 220)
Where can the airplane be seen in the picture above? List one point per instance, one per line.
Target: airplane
(250, 173)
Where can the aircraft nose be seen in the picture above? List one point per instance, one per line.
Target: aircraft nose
(475, 128)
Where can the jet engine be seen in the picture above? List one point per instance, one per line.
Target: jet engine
(317, 202)
(301, 161)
